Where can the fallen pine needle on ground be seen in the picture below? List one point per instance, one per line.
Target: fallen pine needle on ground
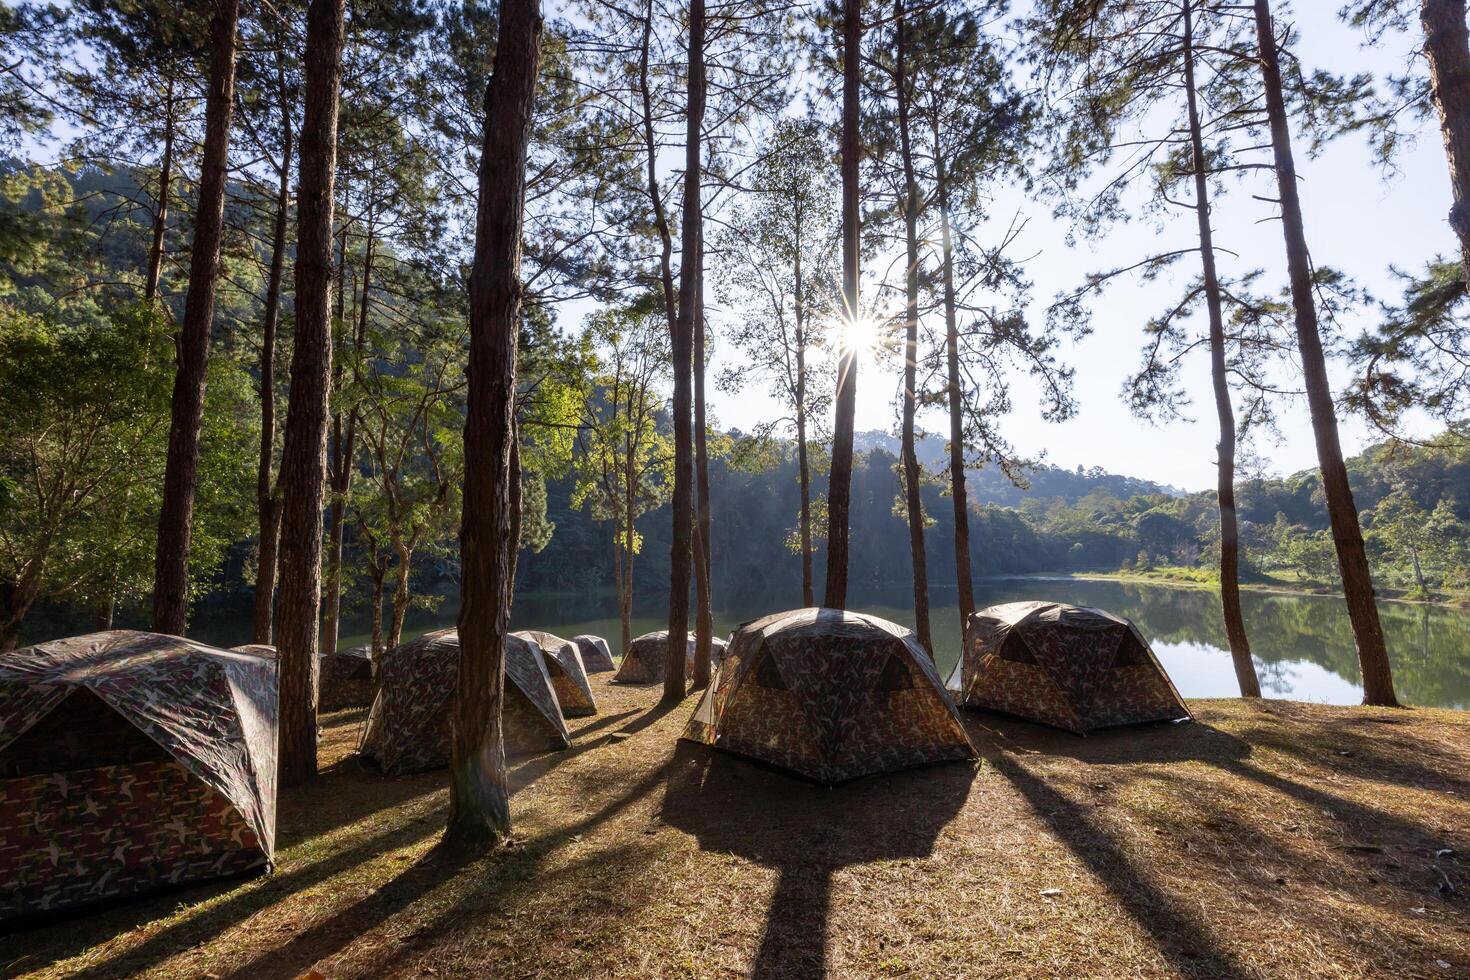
(1272, 839)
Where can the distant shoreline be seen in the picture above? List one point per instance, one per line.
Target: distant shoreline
(1163, 578)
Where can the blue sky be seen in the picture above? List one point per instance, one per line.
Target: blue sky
(1359, 220)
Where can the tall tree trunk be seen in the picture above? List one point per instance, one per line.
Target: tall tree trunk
(266, 502)
(16, 600)
(704, 615)
(655, 197)
(1240, 647)
(181, 471)
(303, 458)
(153, 275)
(105, 609)
(804, 477)
(1352, 559)
(680, 551)
(400, 595)
(911, 475)
(808, 589)
(959, 497)
(630, 537)
(1447, 48)
(839, 485)
(516, 494)
(624, 630)
(479, 800)
(340, 467)
(378, 572)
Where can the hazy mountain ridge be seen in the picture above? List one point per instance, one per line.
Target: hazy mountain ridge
(989, 485)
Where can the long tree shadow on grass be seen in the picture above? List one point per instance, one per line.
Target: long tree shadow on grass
(807, 833)
(1181, 936)
(1375, 845)
(477, 882)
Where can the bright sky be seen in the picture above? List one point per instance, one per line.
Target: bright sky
(1358, 220)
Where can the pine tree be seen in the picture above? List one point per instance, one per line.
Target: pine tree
(303, 475)
(176, 516)
(479, 805)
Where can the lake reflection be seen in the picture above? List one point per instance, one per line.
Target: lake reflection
(1302, 644)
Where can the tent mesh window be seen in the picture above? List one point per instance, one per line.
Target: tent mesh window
(82, 732)
(766, 675)
(1130, 654)
(895, 676)
(1015, 650)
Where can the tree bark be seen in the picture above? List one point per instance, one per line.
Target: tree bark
(839, 487)
(103, 611)
(181, 471)
(655, 198)
(1447, 48)
(959, 496)
(153, 275)
(516, 494)
(680, 551)
(479, 803)
(704, 616)
(1352, 559)
(340, 468)
(911, 474)
(303, 458)
(1240, 647)
(267, 504)
(16, 600)
(630, 534)
(808, 589)
(400, 595)
(378, 573)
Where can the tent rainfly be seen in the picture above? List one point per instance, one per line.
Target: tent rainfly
(1068, 666)
(408, 724)
(646, 658)
(131, 762)
(568, 677)
(596, 657)
(830, 695)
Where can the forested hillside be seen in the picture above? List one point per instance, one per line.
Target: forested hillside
(1413, 500)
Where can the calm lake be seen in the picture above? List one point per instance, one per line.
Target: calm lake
(1303, 644)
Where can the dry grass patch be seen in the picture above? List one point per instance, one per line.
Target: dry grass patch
(1266, 840)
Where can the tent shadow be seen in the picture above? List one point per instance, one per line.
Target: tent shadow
(1159, 742)
(807, 833)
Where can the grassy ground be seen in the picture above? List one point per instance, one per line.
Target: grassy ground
(1266, 840)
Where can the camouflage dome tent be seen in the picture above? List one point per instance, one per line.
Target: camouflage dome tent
(345, 679)
(830, 695)
(408, 725)
(1072, 667)
(647, 656)
(596, 657)
(131, 762)
(568, 677)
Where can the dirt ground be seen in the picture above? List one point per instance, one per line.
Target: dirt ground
(1263, 840)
